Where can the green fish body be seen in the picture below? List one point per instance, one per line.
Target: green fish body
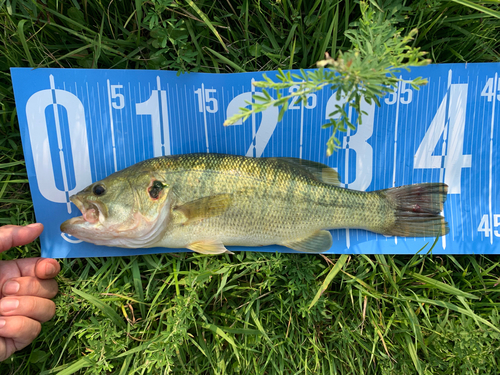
(205, 202)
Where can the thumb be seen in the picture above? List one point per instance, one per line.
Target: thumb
(14, 235)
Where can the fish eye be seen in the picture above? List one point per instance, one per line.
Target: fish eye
(155, 189)
(98, 190)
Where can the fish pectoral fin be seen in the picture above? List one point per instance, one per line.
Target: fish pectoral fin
(205, 207)
(208, 247)
(318, 242)
(321, 172)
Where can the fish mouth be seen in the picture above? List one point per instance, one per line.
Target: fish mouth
(92, 212)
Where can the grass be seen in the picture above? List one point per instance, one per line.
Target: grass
(250, 313)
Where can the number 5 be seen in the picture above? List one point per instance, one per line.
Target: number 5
(120, 103)
(208, 99)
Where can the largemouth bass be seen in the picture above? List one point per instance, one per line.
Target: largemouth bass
(205, 202)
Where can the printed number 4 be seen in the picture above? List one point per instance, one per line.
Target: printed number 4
(449, 122)
(489, 90)
(484, 225)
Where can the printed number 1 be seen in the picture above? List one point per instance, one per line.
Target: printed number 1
(205, 101)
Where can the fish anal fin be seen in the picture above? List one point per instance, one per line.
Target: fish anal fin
(205, 207)
(208, 247)
(321, 172)
(318, 242)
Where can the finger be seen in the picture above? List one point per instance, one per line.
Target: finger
(47, 268)
(14, 235)
(21, 329)
(30, 286)
(40, 309)
(43, 268)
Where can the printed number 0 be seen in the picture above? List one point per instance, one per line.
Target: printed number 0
(38, 129)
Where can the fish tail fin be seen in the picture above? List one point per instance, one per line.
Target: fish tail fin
(417, 210)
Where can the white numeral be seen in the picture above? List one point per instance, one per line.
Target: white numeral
(403, 94)
(484, 225)
(39, 129)
(160, 127)
(262, 135)
(357, 142)
(205, 102)
(120, 103)
(489, 91)
(311, 99)
(449, 122)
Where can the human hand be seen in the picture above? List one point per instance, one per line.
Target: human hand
(25, 288)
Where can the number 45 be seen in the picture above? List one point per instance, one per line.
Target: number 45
(489, 90)
(449, 122)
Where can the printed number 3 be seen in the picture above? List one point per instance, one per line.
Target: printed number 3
(359, 144)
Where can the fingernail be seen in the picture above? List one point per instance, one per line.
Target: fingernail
(7, 305)
(50, 270)
(11, 287)
(33, 225)
(2, 322)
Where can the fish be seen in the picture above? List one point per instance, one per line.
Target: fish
(205, 202)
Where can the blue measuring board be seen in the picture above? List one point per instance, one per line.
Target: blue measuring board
(78, 126)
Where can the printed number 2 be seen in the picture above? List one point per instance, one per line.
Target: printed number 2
(448, 122)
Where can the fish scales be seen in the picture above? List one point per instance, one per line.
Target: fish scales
(284, 203)
(212, 200)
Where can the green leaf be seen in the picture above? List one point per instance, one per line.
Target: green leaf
(106, 309)
(20, 34)
(207, 22)
(221, 333)
(328, 279)
(441, 286)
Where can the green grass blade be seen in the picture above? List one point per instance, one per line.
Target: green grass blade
(261, 328)
(225, 60)
(22, 38)
(136, 275)
(451, 306)
(442, 286)
(76, 366)
(106, 309)
(478, 7)
(328, 279)
(221, 333)
(207, 22)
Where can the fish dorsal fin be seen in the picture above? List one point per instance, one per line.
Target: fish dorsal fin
(318, 242)
(321, 172)
(205, 207)
(208, 247)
